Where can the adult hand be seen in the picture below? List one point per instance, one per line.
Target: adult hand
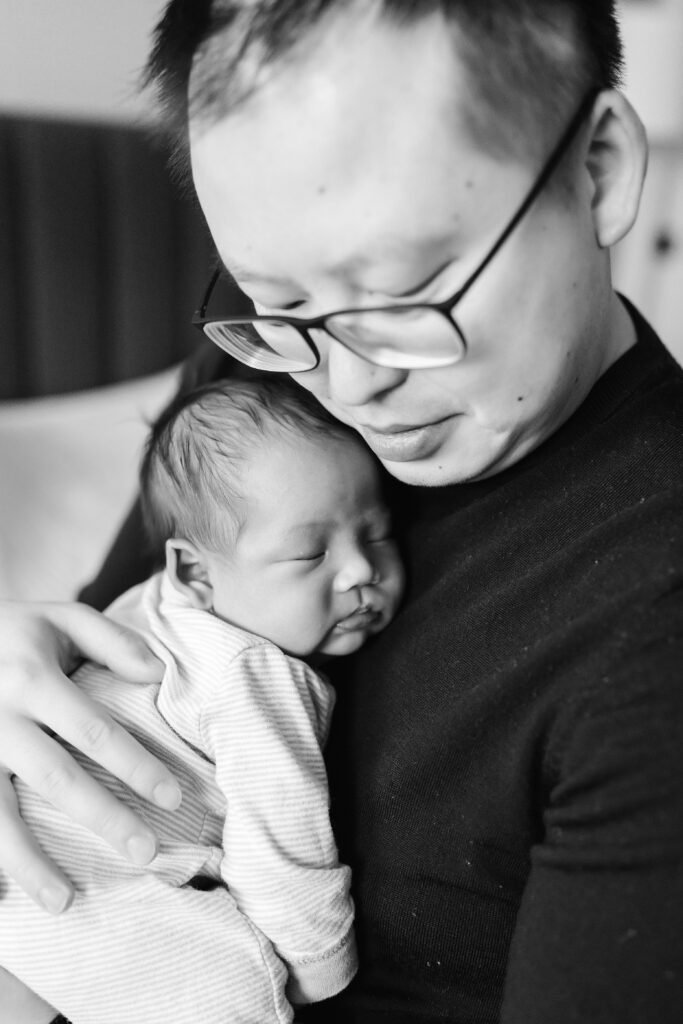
(38, 644)
(19, 1003)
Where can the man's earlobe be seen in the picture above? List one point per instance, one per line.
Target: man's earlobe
(616, 161)
(186, 568)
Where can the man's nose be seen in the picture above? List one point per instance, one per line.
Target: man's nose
(357, 571)
(353, 381)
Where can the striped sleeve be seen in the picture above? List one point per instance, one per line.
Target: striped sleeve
(264, 727)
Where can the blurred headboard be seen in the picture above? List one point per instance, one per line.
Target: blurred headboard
(102, 260)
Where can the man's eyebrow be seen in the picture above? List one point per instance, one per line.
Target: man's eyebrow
(400, 245)
(240, 274)
(391, 245)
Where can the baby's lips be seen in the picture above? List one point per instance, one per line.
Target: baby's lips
(358, 620)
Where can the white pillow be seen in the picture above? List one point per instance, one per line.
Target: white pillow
(68, 472)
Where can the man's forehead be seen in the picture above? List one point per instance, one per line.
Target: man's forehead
(358, 166)
(364, 76)
(358, 61)
(235, 61)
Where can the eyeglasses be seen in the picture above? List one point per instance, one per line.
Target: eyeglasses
(416, 335)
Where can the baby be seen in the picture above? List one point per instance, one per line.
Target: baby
(277, 548)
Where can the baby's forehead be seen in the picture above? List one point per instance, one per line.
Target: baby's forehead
(316, 439)
(323, 468)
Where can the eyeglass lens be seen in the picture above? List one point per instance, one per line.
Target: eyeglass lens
(274, 346)
(412, 338)
(408, 338)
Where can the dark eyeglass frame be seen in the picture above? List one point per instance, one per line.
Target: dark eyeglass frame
(446, 307)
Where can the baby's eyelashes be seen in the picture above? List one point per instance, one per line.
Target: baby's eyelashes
(306, 560)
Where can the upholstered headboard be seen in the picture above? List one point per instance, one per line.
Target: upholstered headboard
(102, 260)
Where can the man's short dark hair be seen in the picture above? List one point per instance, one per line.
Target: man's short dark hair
(191, 479)
(545, 53)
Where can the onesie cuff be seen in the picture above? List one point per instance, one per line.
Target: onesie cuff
(320, 977)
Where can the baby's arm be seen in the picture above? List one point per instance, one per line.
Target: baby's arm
(265, 729)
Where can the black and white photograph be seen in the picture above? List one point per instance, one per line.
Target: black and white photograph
(341, 512)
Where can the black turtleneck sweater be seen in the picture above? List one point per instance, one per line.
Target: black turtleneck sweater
(506, 759)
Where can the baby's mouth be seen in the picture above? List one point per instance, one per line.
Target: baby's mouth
(362, 617)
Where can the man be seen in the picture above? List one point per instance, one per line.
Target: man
(504, 759)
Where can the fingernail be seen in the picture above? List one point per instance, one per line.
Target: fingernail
(168, 795)
(141, 849)
(54, 898)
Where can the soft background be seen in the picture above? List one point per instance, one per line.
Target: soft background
(68, 460)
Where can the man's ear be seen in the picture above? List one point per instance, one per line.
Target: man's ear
(616, 161)
(186, 568)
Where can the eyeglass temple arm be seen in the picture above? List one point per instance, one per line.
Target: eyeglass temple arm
(539, 185)
(201, 312)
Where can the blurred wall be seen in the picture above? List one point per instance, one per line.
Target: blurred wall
(80, 58)
(648, 265)
(653, 41)
(102, 259)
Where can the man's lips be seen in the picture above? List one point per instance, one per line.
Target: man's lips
(403, 443)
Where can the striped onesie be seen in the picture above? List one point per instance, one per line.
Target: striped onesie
(241, 725)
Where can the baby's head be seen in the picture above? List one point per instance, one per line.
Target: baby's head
(272, 516)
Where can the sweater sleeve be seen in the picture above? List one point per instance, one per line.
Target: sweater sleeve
(599, 936)
(264, 728)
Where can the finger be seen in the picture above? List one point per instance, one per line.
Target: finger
(53, 773)
(23, 859)
(19, 1003)
(107, 642)
(85, 724)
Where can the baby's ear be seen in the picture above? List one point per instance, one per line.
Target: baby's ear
(187, 570)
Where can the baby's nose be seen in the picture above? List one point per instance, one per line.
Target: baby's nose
(358, 571)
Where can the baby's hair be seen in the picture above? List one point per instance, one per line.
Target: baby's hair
(190, 474)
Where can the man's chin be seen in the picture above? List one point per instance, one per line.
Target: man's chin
(433, 472)
(456, 464)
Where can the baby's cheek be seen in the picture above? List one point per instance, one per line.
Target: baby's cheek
(317, 613)
(393, 572)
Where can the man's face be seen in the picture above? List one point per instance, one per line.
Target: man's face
(350, 178)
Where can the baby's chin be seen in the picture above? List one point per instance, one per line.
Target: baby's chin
(337, 644)
(333, 645)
